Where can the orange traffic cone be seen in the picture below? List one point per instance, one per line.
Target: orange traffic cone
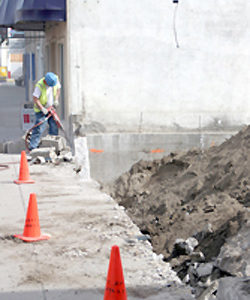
(24, 175)
(31, 232)
(115, 286)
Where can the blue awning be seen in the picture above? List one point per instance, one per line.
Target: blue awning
(31, 14)
(7, 12)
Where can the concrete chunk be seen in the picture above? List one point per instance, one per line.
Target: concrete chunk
(66, 156)
(57, 142)
(47, 153)
(39, 160)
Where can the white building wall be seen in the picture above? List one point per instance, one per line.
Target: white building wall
(4, 54)
(126, 72)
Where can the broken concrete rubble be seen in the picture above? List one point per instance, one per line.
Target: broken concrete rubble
(52, 149)
(48, 153)
(204, 269)
(229, 288)
(15, 147)
(58, 142)
(234, 257)
(184, 247)
(38, 160)
(65, 156)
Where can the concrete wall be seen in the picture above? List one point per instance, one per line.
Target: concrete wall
(56, 36)
(111, 155)
(126, 72)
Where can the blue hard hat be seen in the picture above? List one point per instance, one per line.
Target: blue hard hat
(51, 79)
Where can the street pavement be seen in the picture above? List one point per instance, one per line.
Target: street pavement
(12, 99)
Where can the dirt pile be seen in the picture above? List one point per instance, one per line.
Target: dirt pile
(190, 204)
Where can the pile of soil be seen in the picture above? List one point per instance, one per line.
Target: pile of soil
(204, 195)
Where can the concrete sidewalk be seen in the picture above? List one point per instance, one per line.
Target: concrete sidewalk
(84, 223)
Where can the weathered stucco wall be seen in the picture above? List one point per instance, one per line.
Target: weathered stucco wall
(127, 73)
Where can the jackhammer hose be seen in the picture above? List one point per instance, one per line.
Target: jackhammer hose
(3, 167)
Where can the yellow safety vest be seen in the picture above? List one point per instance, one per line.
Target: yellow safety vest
(43, 97)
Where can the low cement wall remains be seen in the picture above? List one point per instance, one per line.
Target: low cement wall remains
(112, 154)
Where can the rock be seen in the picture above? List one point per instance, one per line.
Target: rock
(210, 292)
(191, 244)
(204, 269)
(184, 247)
(234, 257)
(192, 273)
(144, 237)
(186, 279)
(197, 256)
(48, 153)
(180, 248)
(231, 288)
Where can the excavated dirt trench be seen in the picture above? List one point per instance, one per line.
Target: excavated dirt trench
(200, 194)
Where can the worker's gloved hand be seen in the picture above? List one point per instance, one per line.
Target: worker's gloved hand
(56, 103)
(44, 111)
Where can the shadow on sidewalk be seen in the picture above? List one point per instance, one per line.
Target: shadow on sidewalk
(136, 293)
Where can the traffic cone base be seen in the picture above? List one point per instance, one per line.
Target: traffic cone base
(24, 175)
(32, 239)
(24, 181)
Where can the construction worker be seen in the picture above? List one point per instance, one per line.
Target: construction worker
(45, 95)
